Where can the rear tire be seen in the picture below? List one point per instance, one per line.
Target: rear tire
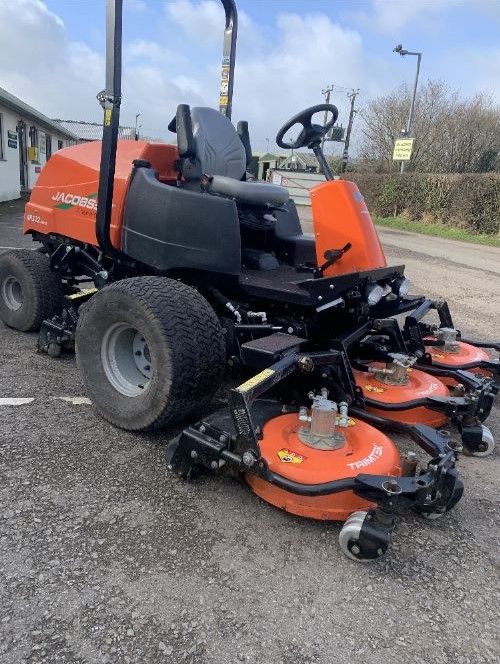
(29, 291)
(151, 352)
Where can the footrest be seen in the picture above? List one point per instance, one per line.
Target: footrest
(268, 350)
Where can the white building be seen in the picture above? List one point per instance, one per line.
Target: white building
(27, 140)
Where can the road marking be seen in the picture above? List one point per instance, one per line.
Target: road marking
(14, 247)
(15, 401)
(76, 401)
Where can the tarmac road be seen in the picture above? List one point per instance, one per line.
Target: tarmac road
(107, 558)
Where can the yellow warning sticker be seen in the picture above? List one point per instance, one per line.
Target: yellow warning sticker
(287, 456)
(255, 380)
(82, 293)
(374, 388)
(108, 112)
(438, 355)
(350, 421)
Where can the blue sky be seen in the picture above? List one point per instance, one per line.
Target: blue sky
(287, 52)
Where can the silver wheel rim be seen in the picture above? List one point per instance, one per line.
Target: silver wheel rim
(12, 293)
(126, 359)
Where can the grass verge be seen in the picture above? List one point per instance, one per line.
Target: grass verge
(438, 230)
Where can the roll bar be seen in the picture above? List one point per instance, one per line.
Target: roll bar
(110, 100)
(228, 58)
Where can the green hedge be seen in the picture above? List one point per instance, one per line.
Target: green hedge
(469, 200)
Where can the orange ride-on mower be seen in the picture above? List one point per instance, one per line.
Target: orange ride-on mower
(195, 268)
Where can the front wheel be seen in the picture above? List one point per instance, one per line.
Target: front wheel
(151, 352)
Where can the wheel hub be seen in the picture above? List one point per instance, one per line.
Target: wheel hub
(12, 293)
(126, 359)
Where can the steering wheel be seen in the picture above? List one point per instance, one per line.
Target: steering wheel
(310, 134)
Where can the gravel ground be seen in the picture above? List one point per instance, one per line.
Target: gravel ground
(105, 557)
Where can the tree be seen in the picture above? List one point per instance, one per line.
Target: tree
(452, 134)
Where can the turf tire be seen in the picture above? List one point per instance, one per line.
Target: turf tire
(185, 342)
(42, 290)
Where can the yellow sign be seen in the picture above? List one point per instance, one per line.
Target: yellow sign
(83, 293)
(32, 154)
(108, 112)
(374, 388)
(402, 149)
(256, 380)
(287, 456)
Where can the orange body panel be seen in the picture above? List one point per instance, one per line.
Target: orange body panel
(467, 354)
(64, 200)
(340, 216)
(420, 385)
(366, 450)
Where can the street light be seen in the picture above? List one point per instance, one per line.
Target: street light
(402, 52)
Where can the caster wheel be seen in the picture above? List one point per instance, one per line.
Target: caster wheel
(54, 349)
(488, 442)
(356, 547)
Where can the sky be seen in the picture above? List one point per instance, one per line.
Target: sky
(52, 55)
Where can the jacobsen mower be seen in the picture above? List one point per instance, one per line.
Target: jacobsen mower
(168, 268)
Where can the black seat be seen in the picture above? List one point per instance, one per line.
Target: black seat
(212, 152)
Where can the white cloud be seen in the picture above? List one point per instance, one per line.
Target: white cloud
(275, 77)
(202, 21)
(136, 5)
(391, 16)
(482, 68)
(151, 51)
(273, 83)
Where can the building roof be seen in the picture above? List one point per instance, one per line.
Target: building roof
(92, 131)
(304, 159)
(268, 156)
(15, 104)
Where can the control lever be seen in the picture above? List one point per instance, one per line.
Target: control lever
(332, 256)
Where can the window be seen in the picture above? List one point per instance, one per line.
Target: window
(1, 136)
(48, 146)
(60, 145)
(33, 137)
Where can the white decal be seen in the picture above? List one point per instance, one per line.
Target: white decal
(375, 454)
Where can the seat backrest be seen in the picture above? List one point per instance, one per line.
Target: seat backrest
(208, 143)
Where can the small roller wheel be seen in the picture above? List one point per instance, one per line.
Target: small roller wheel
(487, 445)
(361, 541)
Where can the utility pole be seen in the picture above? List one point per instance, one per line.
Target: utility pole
(345, 156)
(326, 92)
